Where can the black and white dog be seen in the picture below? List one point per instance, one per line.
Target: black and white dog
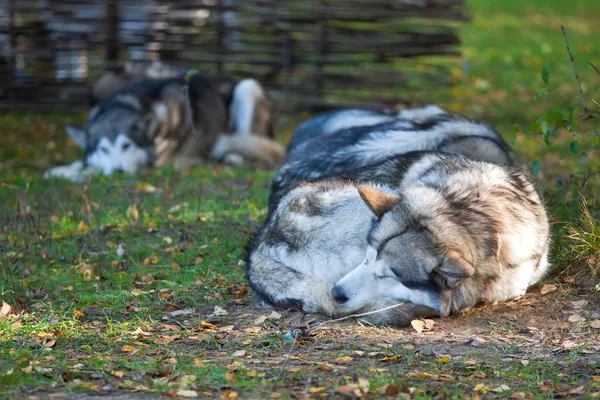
(426, 210)
(151, 122)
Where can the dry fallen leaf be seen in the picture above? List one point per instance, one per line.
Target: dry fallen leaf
(5, 309)
(575, 318)
(239, 353)
(547, 288)
(127, 348)
(207, 325)
(220, 311)
(442, 360)
(260, 320)
(314, 390)
(28, 369)
(570, 344)
(150, 260)
(579, 304)
(525, 362)
(241, 293)
(595, 324)
(145, 187)
(390, 390)
(228, 394)
(577, 391)
(501, 388)
(118, 374)
(163, 340)
(350, 388)
(343, 359)
(418, 325)
(230, 377)
(274, 316)
(429, 323)
(186, 311)
(187, 393)
(133, 212)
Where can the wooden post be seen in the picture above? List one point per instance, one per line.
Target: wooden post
(12, 49)
(288, 66)
(320, 42)
(220, 36)
(112, 34)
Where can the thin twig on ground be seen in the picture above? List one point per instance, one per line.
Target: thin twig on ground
(585, 110)
(594, 67)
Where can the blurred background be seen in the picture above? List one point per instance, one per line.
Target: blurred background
(482, 58)
(314, 51)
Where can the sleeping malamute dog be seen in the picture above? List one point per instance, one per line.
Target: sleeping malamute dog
(149, 122)
(453, 233)
(438, 231)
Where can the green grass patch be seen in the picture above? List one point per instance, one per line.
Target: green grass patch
(135, 285)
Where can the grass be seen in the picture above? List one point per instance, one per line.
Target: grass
(134, 285)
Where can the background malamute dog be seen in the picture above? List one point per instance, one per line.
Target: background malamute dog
(148, 122)
(341, 142)
(453, 233)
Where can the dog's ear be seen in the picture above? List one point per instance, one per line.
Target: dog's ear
(78, 135)
(454, 269)
(379, 202)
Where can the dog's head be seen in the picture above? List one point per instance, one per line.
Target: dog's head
(120, 134)
(405, 262)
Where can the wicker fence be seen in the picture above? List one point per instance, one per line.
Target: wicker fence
(312, 53)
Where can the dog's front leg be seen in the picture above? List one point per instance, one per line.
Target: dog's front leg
(283, 287)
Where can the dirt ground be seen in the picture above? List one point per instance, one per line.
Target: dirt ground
(540, 346)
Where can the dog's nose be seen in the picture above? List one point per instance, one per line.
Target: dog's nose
(339, 294)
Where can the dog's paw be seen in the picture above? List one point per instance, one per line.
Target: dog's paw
(233, 159)
(221, 148)
(76, 172)
(66, 171)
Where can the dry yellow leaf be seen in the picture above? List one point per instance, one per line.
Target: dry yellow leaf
(229, 394)
(82, 227)
(133, 212)
(442, 360)
(207, 325)
(150, 260)
(314, 390)
(344, 359)
(127, 348)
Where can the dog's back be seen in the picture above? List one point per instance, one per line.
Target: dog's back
(347, 150)
(334, 121)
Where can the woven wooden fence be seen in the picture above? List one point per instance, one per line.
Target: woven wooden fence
(309, 53)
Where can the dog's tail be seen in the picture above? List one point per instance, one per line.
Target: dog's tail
(248, 146)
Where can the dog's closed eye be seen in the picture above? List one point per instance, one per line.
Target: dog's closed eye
(104, 150)
(125, 146)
